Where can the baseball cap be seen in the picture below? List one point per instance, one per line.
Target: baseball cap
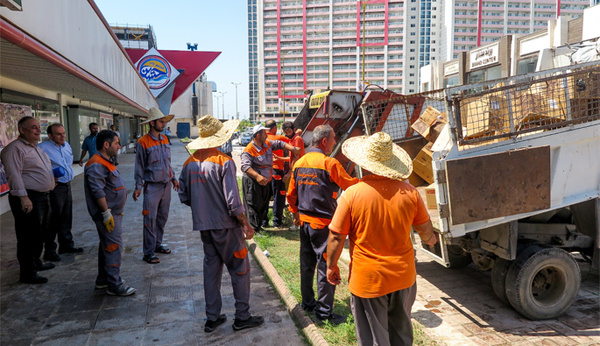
(257, 128)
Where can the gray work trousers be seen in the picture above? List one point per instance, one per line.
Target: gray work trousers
(157, 201)
(384, 320)
(226, 246)
(313, 243)
(109, 254)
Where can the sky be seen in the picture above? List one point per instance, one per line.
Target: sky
(220, 26)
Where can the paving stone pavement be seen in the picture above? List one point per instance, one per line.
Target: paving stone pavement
(459, 307)
(168, 306)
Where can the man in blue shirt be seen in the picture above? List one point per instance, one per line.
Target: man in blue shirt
(61, 200)
(89, 143)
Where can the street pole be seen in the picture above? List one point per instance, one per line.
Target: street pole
(237, 114)
(258, 86)
(329, 69)
(364, 8)
(283, 81)
(223, 103)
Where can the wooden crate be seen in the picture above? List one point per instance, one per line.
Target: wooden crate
(430, 197)
(422, 165)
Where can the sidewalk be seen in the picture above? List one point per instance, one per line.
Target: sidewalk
(168, 307)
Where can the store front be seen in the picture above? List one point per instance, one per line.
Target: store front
(489, 62)
(46, 111)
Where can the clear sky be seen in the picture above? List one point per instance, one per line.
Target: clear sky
(220, 25)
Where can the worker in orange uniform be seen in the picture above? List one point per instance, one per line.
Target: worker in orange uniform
(377, 215)
(277, 184)
(314, 185)
(296, 140)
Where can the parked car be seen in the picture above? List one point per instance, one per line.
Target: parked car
(246, 138)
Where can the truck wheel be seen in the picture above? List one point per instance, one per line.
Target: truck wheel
(499, 272)
(542, 282)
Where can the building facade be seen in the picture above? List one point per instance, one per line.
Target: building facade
(469, 24)
(301, 46)
(56, 73)
(135, 37)
(561, 43)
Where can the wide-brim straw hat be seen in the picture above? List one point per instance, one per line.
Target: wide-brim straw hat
(213, 133)
(379, 155)
(154, 114)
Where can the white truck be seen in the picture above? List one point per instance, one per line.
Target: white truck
(517, 184)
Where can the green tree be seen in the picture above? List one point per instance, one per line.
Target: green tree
(244, 124)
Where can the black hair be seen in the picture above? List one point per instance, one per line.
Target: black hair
(92, 124)
(288, 125)
(49, 129)
(103, 136)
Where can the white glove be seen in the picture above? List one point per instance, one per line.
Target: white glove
(108, 220)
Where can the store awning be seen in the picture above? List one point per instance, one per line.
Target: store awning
(26, 60)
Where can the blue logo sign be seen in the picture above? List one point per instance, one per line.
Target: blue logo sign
(155, 70)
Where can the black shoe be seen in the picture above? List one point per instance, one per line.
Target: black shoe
(333, 319)
(251, 322)
(52, 256)
(212, 325)
(35, 279)
(45, 266)
(309, 309)
(100, 286)
(70, 250)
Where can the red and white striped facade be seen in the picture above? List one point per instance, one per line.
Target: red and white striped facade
(317, 44)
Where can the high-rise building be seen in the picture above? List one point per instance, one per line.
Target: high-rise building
(301, 46)
(253, 70)
(469, 24)
(317, 44)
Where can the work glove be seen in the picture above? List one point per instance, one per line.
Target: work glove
(108, 220)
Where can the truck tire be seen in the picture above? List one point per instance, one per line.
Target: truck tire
(499, 272)
(542, 283)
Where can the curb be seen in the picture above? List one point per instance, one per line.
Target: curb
(307, 325)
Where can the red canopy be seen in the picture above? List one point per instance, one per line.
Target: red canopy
(193, 64)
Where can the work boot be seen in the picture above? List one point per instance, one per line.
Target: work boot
(212, 325)
(251, 322)
(333, 319)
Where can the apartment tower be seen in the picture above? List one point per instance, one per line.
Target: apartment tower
(300, 46)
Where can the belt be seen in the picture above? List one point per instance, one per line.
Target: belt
(63, 184)
(33, 192)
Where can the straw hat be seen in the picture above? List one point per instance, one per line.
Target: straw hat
(379, 155)
(213, 133)
(154, 114)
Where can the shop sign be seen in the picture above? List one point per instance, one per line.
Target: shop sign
(451, 69)
(484, 56)
(317, 99)
(156, 71)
